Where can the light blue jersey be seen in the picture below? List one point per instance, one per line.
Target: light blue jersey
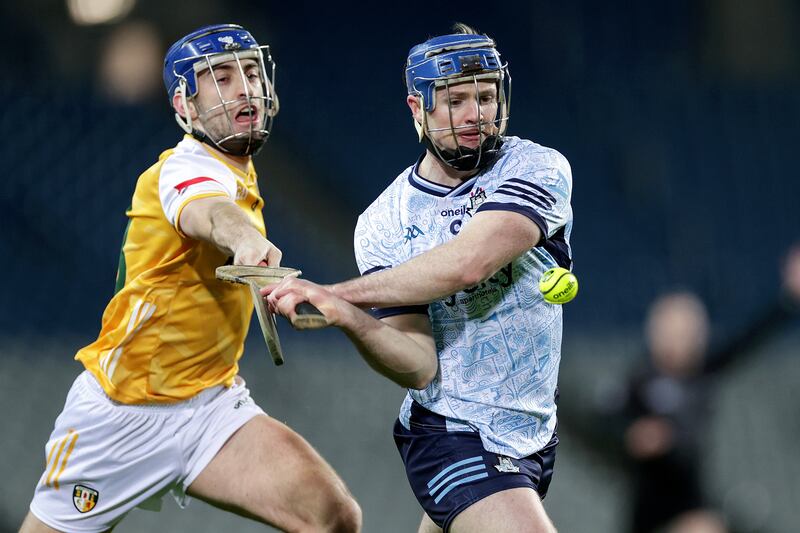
(499, 343)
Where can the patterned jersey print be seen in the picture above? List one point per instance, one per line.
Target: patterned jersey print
(498, 343)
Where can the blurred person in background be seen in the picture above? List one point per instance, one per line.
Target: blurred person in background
(451, 254)
(160, 406)
(128, 70)
(666, 405)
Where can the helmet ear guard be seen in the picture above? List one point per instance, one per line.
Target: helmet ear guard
(184, 122)
(421, 126)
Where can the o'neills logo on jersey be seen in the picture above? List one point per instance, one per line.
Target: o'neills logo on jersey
(458, 212)
(476, 198)
(84, 498)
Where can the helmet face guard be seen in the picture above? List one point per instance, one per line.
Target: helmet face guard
(204, 51)
(445, 61)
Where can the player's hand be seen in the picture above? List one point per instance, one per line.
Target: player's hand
(257, 251)
(284, 297)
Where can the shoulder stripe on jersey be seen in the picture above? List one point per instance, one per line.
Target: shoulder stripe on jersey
(541, 202)
(528, 188)
(188, 183)
(534, 186)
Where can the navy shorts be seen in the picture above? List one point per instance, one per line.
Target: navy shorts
(449, 471)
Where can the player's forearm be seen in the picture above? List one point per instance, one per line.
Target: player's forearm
(487, 244)
(390, 352)
(221, 223)
(421, 280)
(230, 229)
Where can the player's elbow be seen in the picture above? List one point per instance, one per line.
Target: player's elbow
(422, 378)
(473, 272)
(469, 278)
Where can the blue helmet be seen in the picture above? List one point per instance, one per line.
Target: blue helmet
(449, 57)
(216, 39)
(205, 48)
(446, 60)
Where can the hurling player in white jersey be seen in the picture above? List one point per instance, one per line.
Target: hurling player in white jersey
(451, 254)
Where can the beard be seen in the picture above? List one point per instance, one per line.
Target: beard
(222, 133)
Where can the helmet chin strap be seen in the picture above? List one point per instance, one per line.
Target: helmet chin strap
(235, 146)
(464, 158)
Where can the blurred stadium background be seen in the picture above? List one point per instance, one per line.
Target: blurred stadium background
(680, 120)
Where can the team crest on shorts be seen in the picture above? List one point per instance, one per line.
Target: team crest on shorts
(506, 465)
(84, 498)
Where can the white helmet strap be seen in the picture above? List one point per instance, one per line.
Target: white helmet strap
(184, 122)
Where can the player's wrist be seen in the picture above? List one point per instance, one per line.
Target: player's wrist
(339, 290)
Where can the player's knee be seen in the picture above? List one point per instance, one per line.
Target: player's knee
(352, 515)
(334, 511)
(344, 516)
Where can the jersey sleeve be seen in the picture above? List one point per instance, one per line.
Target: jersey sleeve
(184, 178)
(537, 185)
(378, 248)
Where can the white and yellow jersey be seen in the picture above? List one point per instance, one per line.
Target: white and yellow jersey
(172, 330)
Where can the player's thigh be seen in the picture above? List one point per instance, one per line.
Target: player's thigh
(31, 524)
(427, 525)
(268, 472)
(510, 511)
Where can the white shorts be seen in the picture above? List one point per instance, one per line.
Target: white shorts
(105, 458)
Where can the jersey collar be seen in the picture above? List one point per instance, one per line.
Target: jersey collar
(437, 189)
(247, 177)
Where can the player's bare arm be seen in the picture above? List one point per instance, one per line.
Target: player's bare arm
(491, 240)
(400, 347)
(221, 222)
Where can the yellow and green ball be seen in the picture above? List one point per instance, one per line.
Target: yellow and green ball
(558, 285)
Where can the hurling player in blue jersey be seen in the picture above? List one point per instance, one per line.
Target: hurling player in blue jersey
(451, 254)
